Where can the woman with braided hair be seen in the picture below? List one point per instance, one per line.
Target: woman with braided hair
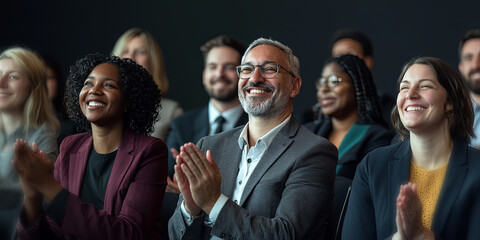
(350, 115)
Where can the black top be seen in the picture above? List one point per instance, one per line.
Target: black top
(95, 180)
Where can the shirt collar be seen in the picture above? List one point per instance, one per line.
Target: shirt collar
(231, 115)
(476, 107)
(267, 138)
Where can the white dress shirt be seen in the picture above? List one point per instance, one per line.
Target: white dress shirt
(231, 117)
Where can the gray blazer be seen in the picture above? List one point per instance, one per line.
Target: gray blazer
(288, 196)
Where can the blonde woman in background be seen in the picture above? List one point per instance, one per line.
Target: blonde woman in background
(25, 113)
(140, 46)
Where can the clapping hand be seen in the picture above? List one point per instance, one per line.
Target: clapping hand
(198, 178)
(409, 215)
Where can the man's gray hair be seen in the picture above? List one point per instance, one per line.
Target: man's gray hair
(293, 62)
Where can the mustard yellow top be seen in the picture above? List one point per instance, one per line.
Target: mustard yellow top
(429, 183)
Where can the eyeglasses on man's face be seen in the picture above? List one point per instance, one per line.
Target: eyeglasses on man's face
(331, 81)
(268, 70)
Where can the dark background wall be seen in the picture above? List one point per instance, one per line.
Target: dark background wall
(67, 30)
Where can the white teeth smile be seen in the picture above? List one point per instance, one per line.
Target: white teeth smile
(257, 91)
(95, 104)
(415, 108)
(3, 94)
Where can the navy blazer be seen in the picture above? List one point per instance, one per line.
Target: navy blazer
(360, 140)
(190, 127)
(372, 207)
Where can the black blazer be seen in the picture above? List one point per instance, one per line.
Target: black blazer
(372, 206)
(360, 140)
(190, 127)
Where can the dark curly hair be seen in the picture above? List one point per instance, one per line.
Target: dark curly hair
(140, 92)
(368, 105)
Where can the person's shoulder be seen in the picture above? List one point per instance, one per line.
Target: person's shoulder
(474, 155)
(389, 151)
(45, 129)
(73, 142)
(311, 125)
(76, 137)
(378, 127)
(380, 133)
(141, 139)
(167, 103)
(191, 115)
(306, 134)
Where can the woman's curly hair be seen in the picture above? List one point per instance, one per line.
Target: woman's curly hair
(368, 105)
(141, 94)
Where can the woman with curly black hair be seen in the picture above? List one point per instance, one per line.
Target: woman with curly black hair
(107, 183)
(350, 114)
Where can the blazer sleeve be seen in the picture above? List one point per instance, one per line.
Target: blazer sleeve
(474, 221)
(174, 140)
(178, 229)
(140, 208)
(304, 207)
(360, 217)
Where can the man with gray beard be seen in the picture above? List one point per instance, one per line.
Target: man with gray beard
(469, 66)
(223, 111)
(270, 179)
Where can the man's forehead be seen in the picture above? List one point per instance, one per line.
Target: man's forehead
(223, 51)
(471, 45)
(265, 53)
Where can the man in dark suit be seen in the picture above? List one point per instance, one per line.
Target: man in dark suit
(469, 66)
(272, 178)
(223, 111)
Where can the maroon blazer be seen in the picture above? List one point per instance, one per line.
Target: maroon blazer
(133, 198)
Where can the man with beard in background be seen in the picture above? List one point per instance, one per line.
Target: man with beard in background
(270, 179)
(223, 112)
(469, 66)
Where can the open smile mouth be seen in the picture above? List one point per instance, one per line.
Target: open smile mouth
(96, 104)
(416, 108)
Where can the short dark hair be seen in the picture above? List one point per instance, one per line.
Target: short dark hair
(368, 105)
(460, 119)
(470, 34)
(355, 35)
(222, 41)
(141, 94)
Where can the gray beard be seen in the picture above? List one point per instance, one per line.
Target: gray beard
(266, 109)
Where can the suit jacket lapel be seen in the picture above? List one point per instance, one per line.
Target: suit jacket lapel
(451, 187)
(398, 174)
(201, 125)
(279, 144)
(123, 161)
(242, 120)
(229, 163)
(78, 161)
